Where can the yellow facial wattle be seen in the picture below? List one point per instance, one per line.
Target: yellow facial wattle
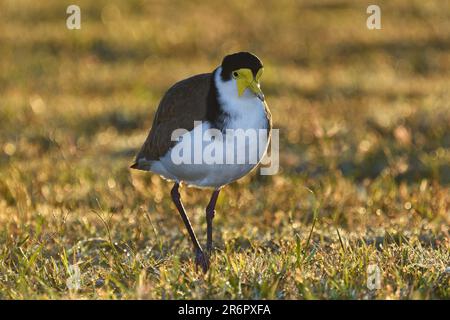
(244, 79)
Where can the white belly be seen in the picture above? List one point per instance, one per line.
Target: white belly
(217, 162)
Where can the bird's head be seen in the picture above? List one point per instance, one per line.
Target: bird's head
(245, 70)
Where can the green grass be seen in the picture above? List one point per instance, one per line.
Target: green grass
(364, 121)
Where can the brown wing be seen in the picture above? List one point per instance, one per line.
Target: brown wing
(184, 103)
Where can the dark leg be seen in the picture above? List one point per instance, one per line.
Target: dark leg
(200, 257)
(210, 212)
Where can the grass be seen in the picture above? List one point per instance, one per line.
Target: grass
(364, 123)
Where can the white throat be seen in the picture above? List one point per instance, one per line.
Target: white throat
(245, 107)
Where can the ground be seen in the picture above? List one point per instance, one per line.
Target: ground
(364, 177)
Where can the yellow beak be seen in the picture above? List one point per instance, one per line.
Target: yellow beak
(255, 88)
(246, 80)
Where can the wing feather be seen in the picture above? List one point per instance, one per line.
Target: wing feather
(184, 103)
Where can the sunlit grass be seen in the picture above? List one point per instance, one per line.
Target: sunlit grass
(364, 125)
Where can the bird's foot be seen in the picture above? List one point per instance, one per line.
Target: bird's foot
(201, 260)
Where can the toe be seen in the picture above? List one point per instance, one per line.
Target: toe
(202, 260)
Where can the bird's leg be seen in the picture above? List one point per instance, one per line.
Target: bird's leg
(210, 212)
(200, 258)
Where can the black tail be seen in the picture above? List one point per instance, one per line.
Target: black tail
(134, 166)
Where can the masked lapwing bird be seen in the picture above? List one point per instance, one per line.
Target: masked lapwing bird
(194, 139)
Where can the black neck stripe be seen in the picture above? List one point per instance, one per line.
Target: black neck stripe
(214, 113)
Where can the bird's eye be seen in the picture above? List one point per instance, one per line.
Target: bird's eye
(235, 74)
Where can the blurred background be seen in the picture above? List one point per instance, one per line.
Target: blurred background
(364, 121)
